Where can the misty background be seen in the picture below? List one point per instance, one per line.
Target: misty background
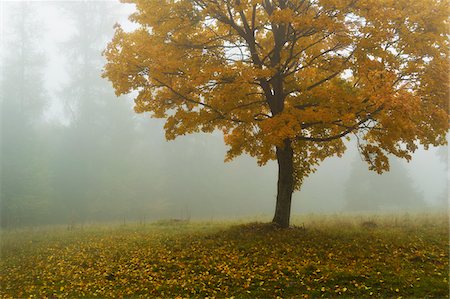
(72, 152)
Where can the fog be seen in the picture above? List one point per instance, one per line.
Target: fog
(72, 152)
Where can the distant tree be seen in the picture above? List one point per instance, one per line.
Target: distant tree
(393, 191)
(287, 80)
(101, 163)
(24, 175)
(88, 161)
(443, 199)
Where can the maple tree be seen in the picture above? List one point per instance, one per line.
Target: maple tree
(290, 80)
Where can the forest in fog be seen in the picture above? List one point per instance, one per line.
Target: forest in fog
(72, 152)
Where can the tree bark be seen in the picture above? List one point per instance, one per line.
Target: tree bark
(285, 158)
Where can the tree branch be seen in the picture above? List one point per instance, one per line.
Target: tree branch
(345, 132)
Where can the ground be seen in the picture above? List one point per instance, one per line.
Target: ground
(322, 256)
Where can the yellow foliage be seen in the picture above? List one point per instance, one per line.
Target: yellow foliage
(311, 72)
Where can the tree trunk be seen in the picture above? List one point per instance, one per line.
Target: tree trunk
(285, 188)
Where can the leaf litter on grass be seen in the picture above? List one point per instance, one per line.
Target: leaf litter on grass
(256, 260)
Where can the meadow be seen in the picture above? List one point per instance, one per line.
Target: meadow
(361, 256)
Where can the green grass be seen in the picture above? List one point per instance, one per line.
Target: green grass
(323, 256)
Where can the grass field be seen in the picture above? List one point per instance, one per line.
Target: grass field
(323, 256)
